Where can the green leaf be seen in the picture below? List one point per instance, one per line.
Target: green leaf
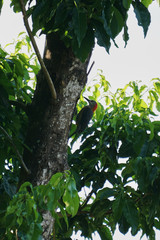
(117, 23)
(127, 3)
(3, 54)
(118, 207)
(2, 159)
(105, 193)
(105, 233)
(61, 14)
(131, 214)
(34, 232)
(157, 87)
(71, 198)
(103, 38)
(86, 47)
(125, 35)
(146, 3)
(79, 19)
(20, 220)
(123, 225)
(1, 4)
(158, 106)
(37, 233)
(151, 127)
(35, 68)
(142, 15)
(24, 186)
(126, 149)
(26, 97)
(140, 138)
(16, 5)
(55, 179)
(19, 70)
(64, 214)
(143, 104)
(10, 189)
(37, 14)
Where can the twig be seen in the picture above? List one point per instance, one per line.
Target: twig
(86, 200)
(45, 71)
(90, 68)
(16, 150)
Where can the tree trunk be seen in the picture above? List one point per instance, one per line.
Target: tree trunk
(50, 120)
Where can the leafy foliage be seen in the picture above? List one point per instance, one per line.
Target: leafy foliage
(15, 94)
(23, 216)
(117, 163)
(118, 160)
(79, 22)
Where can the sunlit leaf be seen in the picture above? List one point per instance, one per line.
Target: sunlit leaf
(71, 198)
(146, 2)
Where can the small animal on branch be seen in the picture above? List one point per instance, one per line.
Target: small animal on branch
(84, 116)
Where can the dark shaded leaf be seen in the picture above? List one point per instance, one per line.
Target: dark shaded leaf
(117, 207)
(86, 46)
(142, 15)
(105, 233)
(103, 38)
(123, 225)
(80, 24)
(127, 3)
(131, 214)
(1, 4)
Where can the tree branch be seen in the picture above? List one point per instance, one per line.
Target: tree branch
(87, 199)
(16, 150)
(90, 68)
(45, 71)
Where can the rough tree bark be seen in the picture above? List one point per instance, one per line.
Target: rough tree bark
(50, 120)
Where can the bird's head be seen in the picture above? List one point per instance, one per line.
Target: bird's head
(93, 105)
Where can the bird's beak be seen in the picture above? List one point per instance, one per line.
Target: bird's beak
(87, 99)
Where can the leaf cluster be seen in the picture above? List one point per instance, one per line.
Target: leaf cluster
(22, 218)
(118, 161)
(79, 23)
(16, 73)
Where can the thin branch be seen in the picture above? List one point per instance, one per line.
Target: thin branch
(90, 68)
(87, 199)
(45, 71)
(16, 150)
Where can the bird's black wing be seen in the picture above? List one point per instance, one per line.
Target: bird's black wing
(83, 118)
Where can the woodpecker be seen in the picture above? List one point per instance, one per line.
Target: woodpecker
(84, 116)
